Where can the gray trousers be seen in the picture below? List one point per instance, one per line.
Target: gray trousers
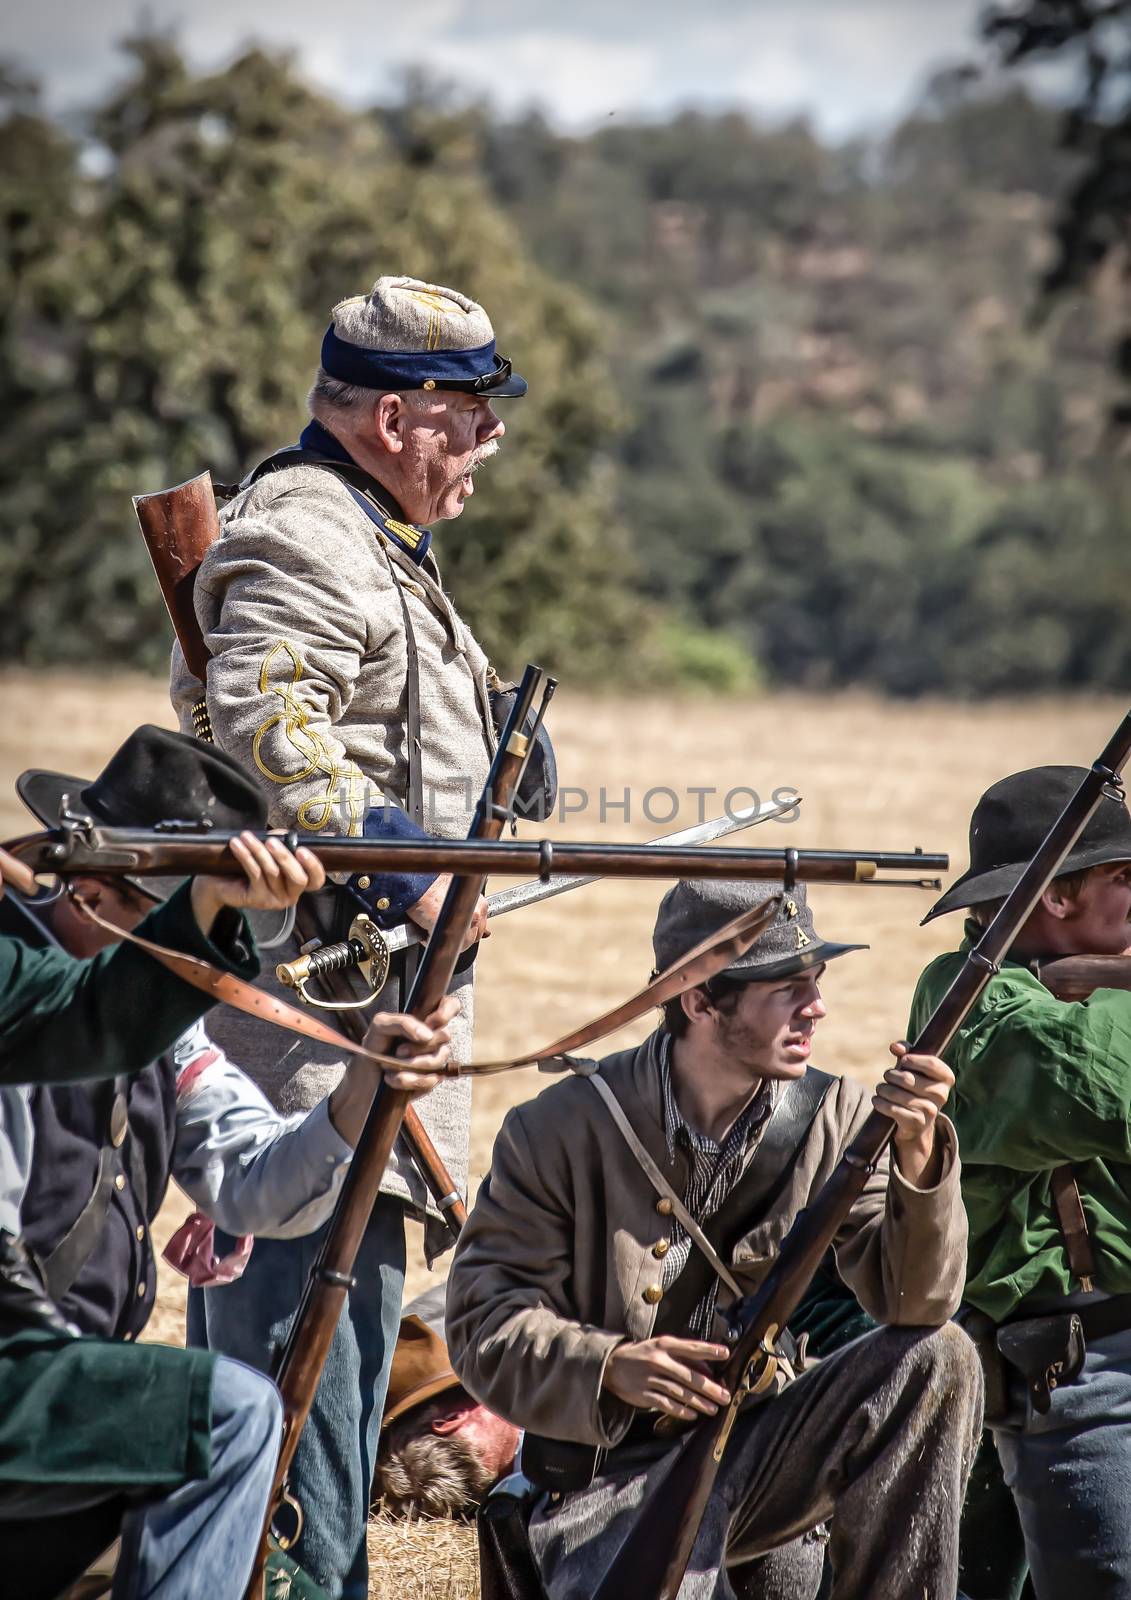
(1070, 1475)
(878, 1437)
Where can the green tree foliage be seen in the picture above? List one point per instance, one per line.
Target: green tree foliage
(852, 448)
(1094, 37)
(163, 313)
(792, 418)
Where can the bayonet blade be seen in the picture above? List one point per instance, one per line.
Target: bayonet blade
(533, 893)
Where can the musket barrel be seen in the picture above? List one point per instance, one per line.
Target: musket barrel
(112, 851)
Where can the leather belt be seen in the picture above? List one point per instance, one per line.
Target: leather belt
(1105, 1317)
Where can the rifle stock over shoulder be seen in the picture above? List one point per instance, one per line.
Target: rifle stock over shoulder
(178, 525)
(1076, 977)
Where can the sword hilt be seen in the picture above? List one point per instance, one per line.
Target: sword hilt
(364, 948)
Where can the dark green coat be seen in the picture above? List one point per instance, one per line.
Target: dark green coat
(90, 1410)
(62, 1019)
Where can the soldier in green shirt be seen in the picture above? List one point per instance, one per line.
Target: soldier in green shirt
(1042, 1105)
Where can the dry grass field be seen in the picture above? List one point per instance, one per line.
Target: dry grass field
(872, 774)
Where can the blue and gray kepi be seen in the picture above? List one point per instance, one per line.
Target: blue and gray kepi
(407, 334)
(694, 910)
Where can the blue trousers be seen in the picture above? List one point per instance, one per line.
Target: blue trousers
(1070, 1475)
(202, 1539)
(333, 1466)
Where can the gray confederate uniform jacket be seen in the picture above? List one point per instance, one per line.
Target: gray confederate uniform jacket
(299, 608)
(560, 1260)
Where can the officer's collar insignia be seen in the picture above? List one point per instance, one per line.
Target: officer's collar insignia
(416, 541)
(407, 535)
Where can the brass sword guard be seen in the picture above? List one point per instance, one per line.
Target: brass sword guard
(364, 948)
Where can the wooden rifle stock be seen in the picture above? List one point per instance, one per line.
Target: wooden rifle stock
(178, 526)
(653, 1559)
(330, 1280)
(1076, 977)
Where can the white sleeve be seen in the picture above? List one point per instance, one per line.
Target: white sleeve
(248, 1168)
(15, 1153)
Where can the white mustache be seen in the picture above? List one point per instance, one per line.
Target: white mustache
(484, 453)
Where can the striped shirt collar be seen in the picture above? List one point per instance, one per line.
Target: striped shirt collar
(679, 1132)
(713, 1171)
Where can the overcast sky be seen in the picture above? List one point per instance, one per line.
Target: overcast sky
(846, 63)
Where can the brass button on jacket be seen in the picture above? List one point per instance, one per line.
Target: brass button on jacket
(119, 1183)
(653, 1294)
(660, 1249)
(664, 1206)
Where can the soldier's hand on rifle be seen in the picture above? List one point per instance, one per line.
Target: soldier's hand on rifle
(669, 1375)
(912, 1094)
(273, 879)
(425, 1046)
(427, 909)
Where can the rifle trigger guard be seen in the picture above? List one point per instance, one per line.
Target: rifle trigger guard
(287, 1502)
(760, 1372)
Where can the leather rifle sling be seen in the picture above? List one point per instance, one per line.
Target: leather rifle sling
(714, 954)
(235, 992)
(1064, 1191)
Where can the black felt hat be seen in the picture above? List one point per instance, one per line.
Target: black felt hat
(694, 910)
(1010, 823)
(156, 776)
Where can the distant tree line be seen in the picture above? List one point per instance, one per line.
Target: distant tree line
(793, 418)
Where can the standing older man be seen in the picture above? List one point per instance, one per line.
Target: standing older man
(344, 680)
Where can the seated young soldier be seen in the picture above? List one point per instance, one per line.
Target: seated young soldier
(579, 1307)
(177, 1448)
(1042, 1103)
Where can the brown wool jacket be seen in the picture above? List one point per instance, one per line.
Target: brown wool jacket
(550, 1272)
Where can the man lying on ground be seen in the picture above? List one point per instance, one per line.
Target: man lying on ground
(440, 1450)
